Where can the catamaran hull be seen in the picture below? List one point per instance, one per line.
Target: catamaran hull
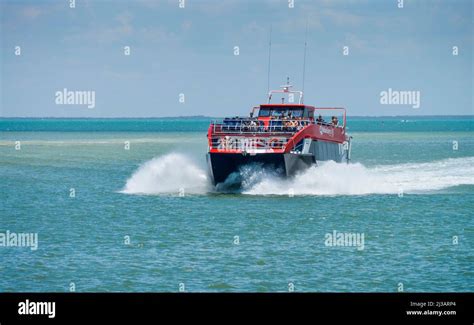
(223, 165)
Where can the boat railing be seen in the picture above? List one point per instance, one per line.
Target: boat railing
(255, 126)
(325, 110)
(248, 144)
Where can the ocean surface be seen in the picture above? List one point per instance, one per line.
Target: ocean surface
(147, 218)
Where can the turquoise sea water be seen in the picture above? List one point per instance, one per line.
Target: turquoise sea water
(407, 191)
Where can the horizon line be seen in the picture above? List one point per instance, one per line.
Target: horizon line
(208, 117)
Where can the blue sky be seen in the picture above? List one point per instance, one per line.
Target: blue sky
(191, 51)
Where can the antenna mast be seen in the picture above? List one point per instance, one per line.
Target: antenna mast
(304, 56)
(269, 59)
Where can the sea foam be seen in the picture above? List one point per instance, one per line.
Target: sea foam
(330, 178)
(171, 173)
(174, 172)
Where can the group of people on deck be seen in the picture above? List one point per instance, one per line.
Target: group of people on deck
(334, 121)
(287, 121)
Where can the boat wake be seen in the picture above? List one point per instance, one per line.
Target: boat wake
(172, 173)
(331, 178)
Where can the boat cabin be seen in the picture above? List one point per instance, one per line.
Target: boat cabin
(281, 111)
(288, 116)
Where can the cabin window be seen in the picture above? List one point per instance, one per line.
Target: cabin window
(296, 112)
(281, 112)
(277, 113)
(308, 113)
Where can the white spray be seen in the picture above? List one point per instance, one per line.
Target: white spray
(170, 173)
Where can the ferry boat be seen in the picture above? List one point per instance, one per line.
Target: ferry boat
(284, 137)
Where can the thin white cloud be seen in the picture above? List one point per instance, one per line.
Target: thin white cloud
(121, 29)
(343, 18)
(31, 12)
(211, 7)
